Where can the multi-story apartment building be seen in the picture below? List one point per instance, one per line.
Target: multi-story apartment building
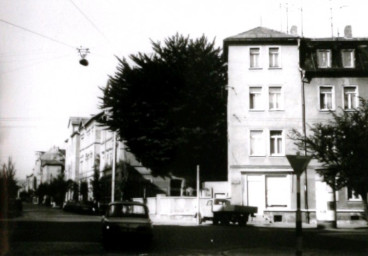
(270, 73)
(89, 152)
(91, 146)
(73, 148)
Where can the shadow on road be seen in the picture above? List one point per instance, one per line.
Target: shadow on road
(171, 239)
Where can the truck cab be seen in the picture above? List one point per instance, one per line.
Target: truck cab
(222, 211)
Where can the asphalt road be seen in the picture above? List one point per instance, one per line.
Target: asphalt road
(53, 232)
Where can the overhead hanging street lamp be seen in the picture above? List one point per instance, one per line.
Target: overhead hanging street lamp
(83, 53)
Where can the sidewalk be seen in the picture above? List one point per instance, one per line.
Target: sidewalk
(187, 221)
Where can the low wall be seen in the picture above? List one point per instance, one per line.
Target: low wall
(173, 206)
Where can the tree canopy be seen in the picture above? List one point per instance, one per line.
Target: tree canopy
(8, 183)
(170, 107)
(341, 146)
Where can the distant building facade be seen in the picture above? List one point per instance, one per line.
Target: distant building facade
(267, 71)
(52, 164)
(48, 165)
(91, 145)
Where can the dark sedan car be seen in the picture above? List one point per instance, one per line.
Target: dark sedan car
(126, 223)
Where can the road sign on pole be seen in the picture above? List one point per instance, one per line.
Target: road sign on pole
(299, 164)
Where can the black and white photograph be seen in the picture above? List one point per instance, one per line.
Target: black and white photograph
(183, 127)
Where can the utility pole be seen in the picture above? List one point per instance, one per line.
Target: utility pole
(198, 197)
(113, 167)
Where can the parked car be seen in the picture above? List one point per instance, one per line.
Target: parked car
(81, 207)
(127, 224)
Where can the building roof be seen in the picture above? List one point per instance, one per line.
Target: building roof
(77, 120)
(260, 33)
(92, 118)
(54, 154)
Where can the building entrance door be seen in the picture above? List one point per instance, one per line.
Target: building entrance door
(256, 192)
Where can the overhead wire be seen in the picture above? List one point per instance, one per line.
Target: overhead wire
(89, 20)
(36, 33)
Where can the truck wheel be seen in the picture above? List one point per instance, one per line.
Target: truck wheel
(215, 221)
(225, 219)
(243, 220)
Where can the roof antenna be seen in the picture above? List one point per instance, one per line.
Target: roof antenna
(301, 17)
(287, 18)
(280, 16)
(331, 19)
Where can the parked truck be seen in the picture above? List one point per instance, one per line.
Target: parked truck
(221, 211)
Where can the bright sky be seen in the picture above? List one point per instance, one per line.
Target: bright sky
(42, 83)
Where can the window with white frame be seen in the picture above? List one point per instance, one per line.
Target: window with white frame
(352, 195)
(326, 97)
(348, 58)
(255, 98)
(277, 191)
(276, 143)
(350, 97)
(254, 54)
(257, 143)
(324, 58)
(275, 98)
(274, 57)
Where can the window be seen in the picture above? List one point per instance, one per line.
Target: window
(324, 58)
(275, 99)
(255, 98)
(278, 191)
(276, 147)
(348, 58)
(326, 98)
(350, 97)
(257, 145)
(254, 58)
(274, 61)
(352, 195)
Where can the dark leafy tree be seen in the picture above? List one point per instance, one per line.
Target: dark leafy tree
(341, 146)
(8, 181)
(96, 184)
(42, 191)
(84, 191)
(54, 191)
(58, 188)
(75, 191)
(170, 107)
(8, 187)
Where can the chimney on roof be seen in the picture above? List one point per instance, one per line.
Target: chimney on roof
(348, 33)
(294, 30)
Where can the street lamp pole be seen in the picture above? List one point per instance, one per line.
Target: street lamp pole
(113, 166)
(198, 197)
(299, 230)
